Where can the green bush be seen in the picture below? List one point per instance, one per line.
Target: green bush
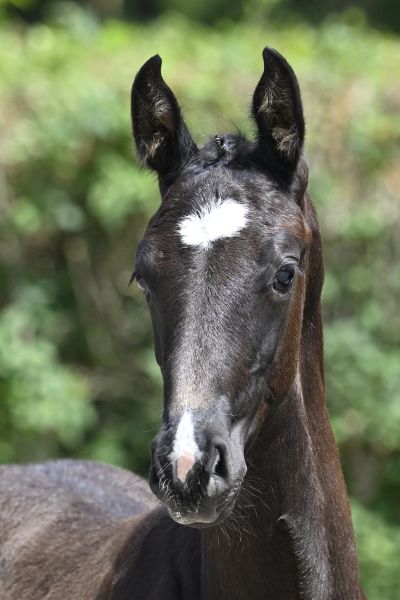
(77, 373)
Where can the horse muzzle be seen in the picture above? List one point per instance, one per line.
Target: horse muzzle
(197, 468)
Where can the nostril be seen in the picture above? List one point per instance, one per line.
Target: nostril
(220, 466)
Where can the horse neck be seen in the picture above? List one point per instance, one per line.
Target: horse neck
(292, 537)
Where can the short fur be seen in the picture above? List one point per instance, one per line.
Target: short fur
(238, 336)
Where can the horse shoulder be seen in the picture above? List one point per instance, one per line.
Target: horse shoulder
(62, 521)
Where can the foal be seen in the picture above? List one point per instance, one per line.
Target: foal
(252, 502)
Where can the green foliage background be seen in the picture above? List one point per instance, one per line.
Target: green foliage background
(77, 373)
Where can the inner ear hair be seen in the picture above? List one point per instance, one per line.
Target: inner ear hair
(278, 112)
(162, 139)
(300, 182)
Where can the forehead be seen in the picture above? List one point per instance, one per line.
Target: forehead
(224, 207)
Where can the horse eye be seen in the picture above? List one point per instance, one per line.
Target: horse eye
(142, 285)
(284, 278)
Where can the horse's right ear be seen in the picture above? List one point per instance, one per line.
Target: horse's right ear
(162, 139)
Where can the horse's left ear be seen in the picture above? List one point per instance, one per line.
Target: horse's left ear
(278, 112)
(162, 139)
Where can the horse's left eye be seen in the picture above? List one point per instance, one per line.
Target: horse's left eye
(284, 278)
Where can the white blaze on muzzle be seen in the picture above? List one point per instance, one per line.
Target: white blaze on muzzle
(185, 451)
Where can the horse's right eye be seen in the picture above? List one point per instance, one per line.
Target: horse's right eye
(142, 285)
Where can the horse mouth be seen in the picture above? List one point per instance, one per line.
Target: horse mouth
(206, 514)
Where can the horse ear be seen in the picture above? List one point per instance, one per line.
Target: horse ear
(162, 139)
(278, 112)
